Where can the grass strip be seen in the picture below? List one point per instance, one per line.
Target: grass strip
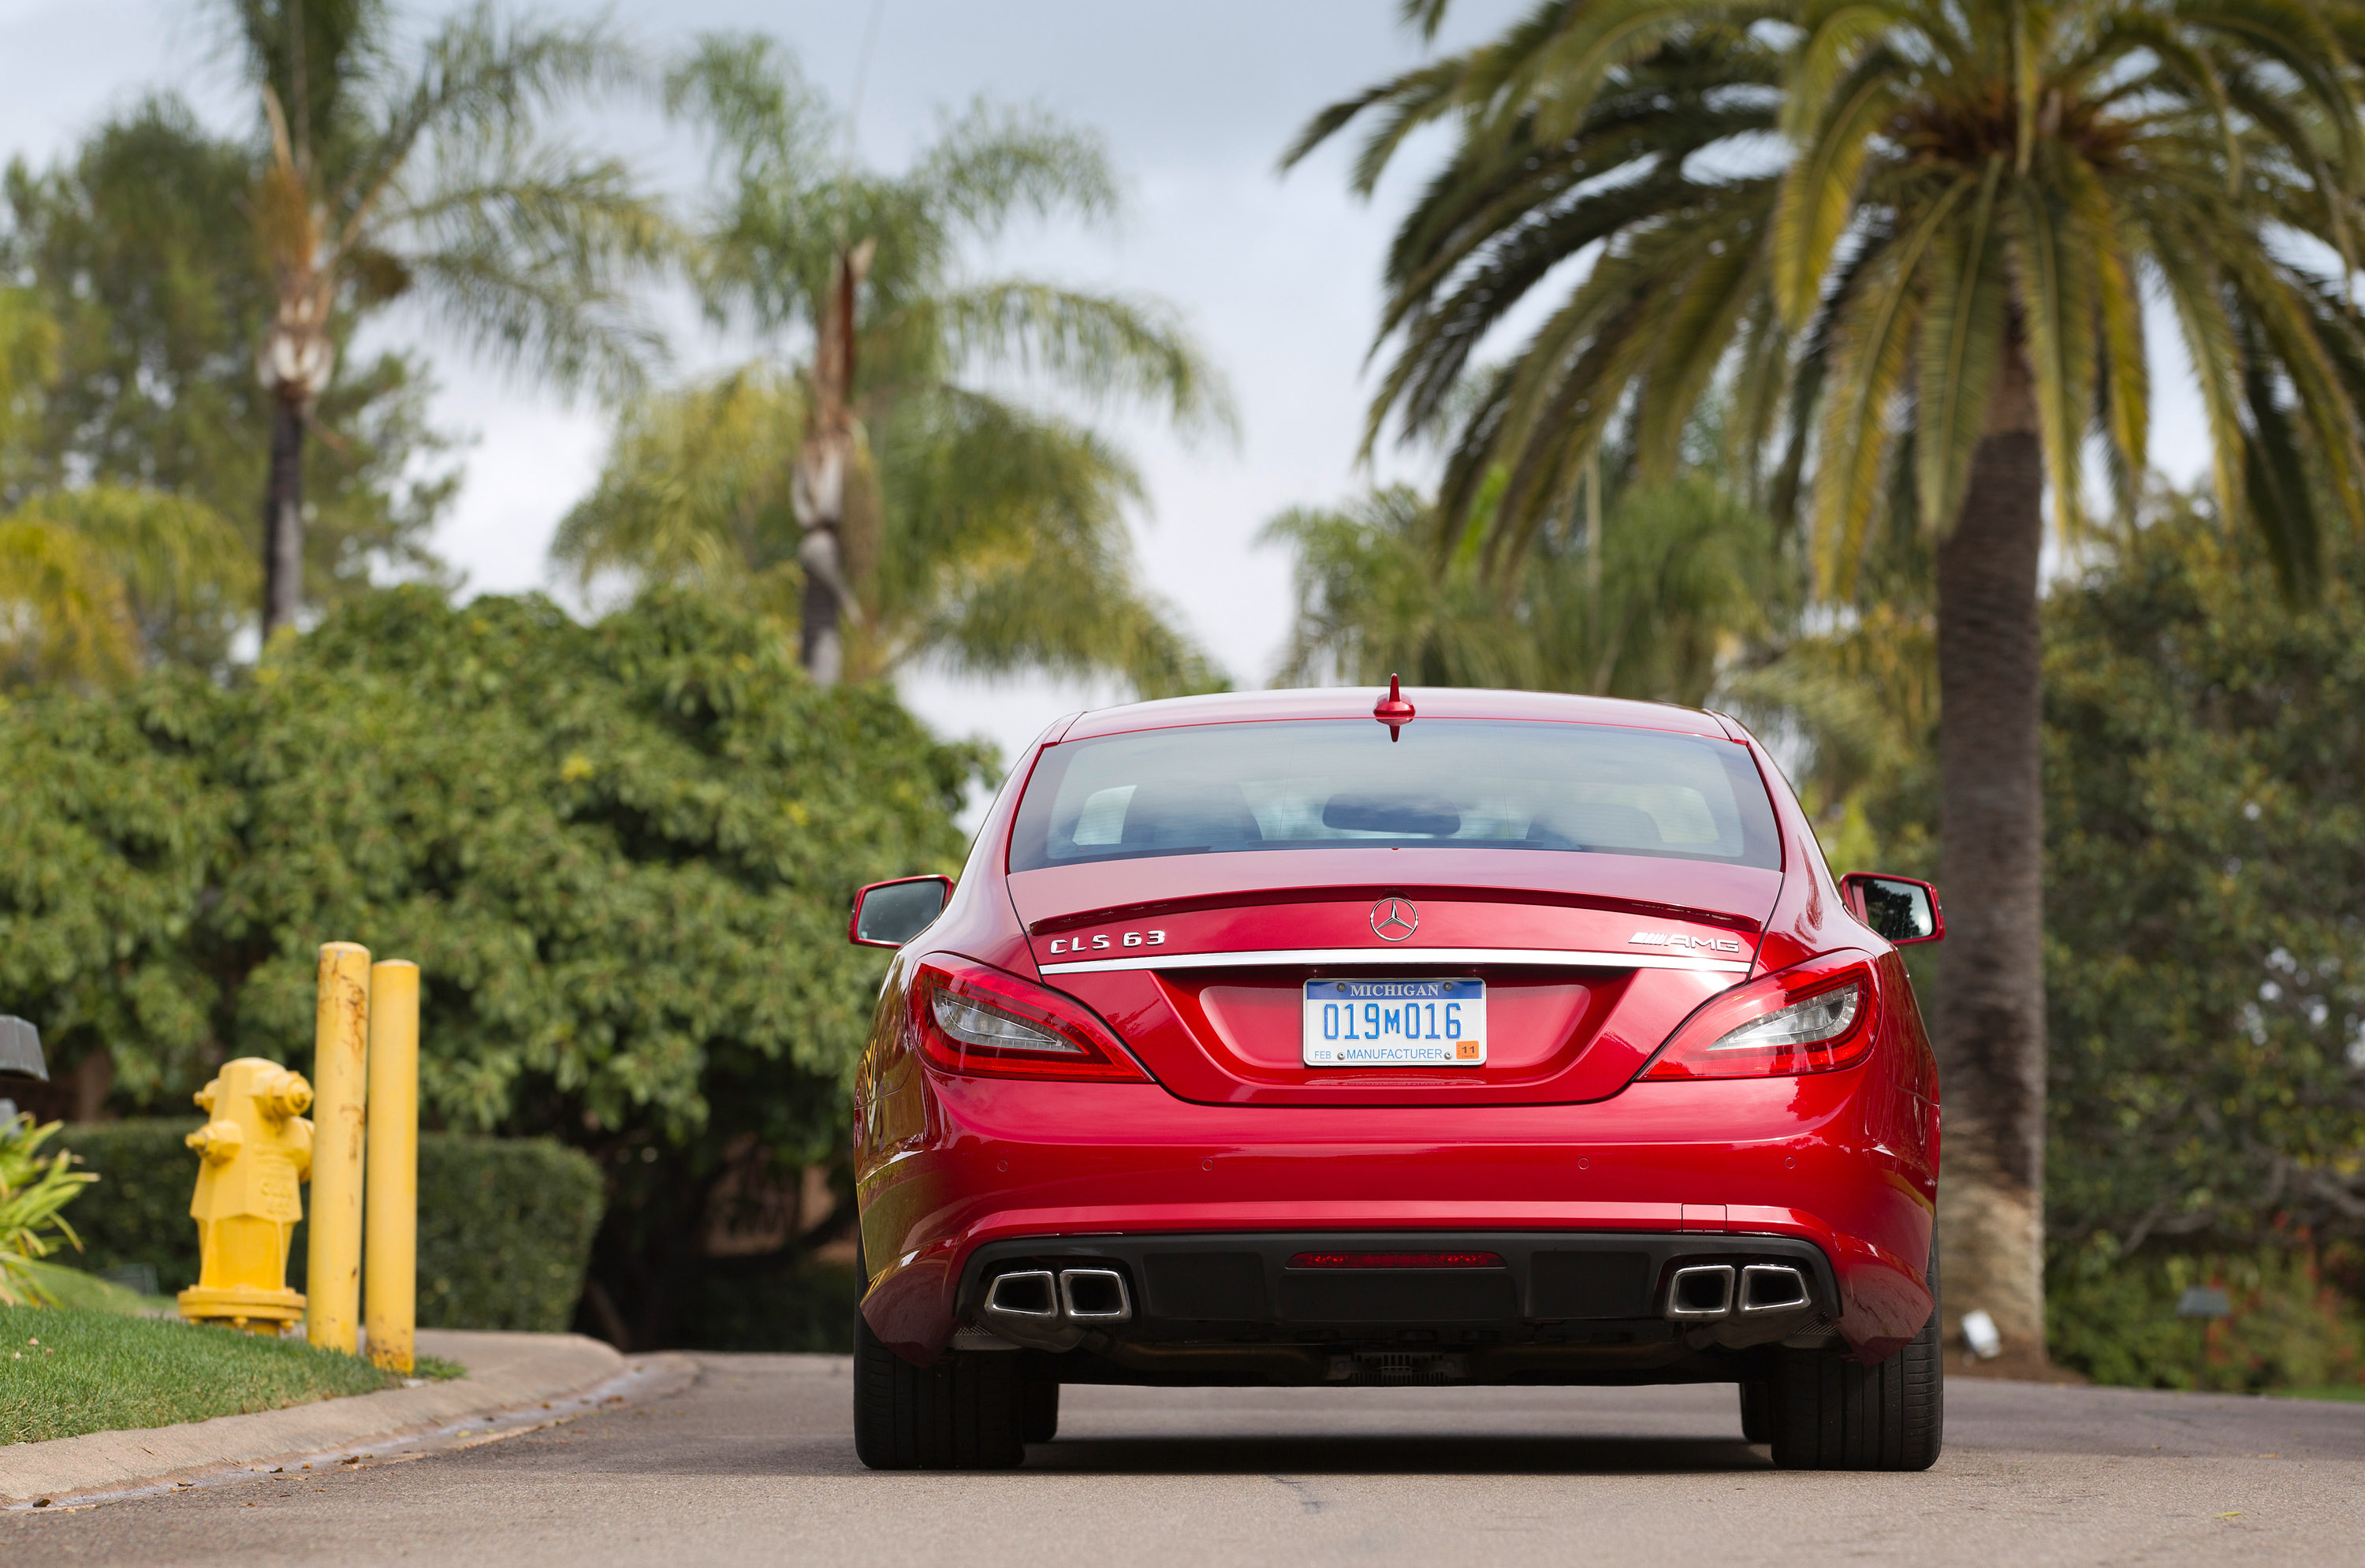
(63, 1372)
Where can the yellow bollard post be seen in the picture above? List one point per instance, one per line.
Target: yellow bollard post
(340, 1085)
(389, 1283)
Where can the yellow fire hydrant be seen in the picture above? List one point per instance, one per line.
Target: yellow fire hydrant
(254, 1151)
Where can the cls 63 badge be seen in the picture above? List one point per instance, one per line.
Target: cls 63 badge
(1107, 941)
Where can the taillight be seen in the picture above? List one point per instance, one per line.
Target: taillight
(1812, 1017)
(983, 1022)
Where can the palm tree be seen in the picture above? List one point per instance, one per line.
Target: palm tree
(1681, 579)
(427, 180)
(1928, 302)
(891, 480)
(153, 305)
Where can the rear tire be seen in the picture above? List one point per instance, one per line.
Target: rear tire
(1757, 1412)
(962, 1413)
(1830, 1413)
(1039, 1417)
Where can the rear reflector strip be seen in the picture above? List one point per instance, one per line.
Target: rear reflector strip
(1397, 957)
(1396, 1260)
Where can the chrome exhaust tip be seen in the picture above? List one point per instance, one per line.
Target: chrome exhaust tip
(1094, 1295)
(1700, 1294)
(1772, 1287)
(1027, 1294)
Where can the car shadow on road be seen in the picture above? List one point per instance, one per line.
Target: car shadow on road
(1408, 1455)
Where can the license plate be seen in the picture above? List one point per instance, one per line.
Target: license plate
(1396, 1022)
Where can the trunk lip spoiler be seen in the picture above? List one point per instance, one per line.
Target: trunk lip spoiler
(1735, 921)
(1401, 958)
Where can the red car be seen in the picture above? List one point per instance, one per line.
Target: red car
(1475, 1038)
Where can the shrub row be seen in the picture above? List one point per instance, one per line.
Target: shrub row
(2295, 1322)
(505, 1225)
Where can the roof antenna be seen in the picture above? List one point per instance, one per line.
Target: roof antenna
(1394, 712)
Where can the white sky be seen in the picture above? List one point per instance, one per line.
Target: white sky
(1278, 278)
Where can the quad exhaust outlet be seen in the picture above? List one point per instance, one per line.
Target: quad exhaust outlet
(1052, 1310)
(1710, 1293)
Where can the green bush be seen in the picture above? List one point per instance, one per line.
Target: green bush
(808, 1306)
(505, 1225)
(2116, 1322)
(137, 1210)
(505, 1228)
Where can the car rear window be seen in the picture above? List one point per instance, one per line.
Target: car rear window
(1332, 783)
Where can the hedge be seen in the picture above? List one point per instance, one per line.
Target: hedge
(505, 1225)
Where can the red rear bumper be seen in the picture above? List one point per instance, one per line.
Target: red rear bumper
(1834, 1159)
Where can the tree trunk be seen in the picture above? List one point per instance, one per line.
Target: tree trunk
(820, 641)
(283, 517)
(817, 483)
(1989, 1022)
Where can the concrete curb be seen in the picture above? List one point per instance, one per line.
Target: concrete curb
(506, 1371)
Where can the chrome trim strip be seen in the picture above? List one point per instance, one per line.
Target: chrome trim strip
(1397, 958)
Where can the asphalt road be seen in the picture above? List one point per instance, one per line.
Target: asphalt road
(754, 1463)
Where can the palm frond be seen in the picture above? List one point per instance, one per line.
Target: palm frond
(537, 259)
(991, 165)
(1962, 343)
(1100, 345)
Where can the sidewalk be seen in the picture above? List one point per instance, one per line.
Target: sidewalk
(508, 1375)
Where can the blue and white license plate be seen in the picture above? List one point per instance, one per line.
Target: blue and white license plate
(1396, 1022)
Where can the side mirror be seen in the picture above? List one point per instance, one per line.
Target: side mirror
(887, 914)
(1899, 908)
(21, 1050)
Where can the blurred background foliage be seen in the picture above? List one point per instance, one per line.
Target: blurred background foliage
(985, 519)
(2205, 916)
(1675, 585)
(621, 854)
(152, 301)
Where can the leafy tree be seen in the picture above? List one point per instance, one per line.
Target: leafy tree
(621, 853)
(27, 362)
(2206, 948)
(1934, 294)
(152, 305)
(95, 578)
(891, 480)
(1678, 581)
(426, 178)
(2207, 883)
(95, 582)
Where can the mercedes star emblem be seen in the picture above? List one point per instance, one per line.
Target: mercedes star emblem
(1393, 919)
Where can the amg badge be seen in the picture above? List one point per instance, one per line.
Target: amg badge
(1691, 944)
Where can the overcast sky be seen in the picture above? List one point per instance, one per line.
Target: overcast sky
(1278, 278)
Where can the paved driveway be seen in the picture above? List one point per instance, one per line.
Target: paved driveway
(754, 1463)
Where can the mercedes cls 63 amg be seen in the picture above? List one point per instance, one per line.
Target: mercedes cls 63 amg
(1339, 1038)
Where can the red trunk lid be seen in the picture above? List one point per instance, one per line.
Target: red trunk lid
(1199, 960)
